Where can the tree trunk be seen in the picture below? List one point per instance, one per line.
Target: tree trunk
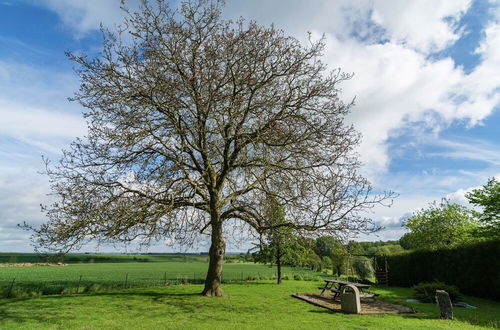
(216, 252)
(278, 262)
(278, 265)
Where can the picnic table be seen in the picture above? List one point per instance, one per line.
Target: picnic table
(335, 286)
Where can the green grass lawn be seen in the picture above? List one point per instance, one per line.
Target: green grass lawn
(251, 305)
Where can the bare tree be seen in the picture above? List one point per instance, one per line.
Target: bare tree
(190, 119)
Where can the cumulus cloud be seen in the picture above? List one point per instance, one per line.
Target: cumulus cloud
(34, 106)
(458, 196)
(23, 190)
(397, 85)
(26, 122)
(36, 119)
(84, 16)
(426, 26)
(388, 46)
(423, 25)
(393, 85)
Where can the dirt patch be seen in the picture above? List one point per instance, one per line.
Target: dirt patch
(31, 265)
(368, 305)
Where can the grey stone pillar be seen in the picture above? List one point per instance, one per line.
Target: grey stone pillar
(444, 302)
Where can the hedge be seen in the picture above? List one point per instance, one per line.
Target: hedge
(474, 269)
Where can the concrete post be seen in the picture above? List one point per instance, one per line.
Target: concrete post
(350, 301)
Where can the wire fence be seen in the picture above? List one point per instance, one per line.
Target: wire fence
(18, 288)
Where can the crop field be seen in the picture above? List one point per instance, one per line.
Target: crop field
(6, 258)
(97, 272)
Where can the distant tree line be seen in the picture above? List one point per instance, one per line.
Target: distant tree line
(325, 253)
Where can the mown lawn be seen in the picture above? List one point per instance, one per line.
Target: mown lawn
(251, 305)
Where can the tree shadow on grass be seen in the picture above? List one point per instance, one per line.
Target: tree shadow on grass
(51, 309)
(42, 314)
(249, 283)
(323, 311)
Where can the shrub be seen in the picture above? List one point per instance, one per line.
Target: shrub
(286, 277)
(297, 277)
(363, 267)
(426, 292)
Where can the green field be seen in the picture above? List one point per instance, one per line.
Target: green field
(107, 258)
(250, 305)
(123, 271)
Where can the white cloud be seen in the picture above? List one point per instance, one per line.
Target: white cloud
(458, 196)
(387, 44)
(22, 191)
(34, 108)
(424, 25)
(396, 86)
(24, 122)
(84, 16)
(469, 150)
(481, 88)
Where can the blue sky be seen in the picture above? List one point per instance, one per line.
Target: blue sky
(427, 78)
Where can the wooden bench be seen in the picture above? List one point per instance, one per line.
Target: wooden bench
(366, 294)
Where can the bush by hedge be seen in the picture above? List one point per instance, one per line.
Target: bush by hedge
(474, 269)
(426, 292)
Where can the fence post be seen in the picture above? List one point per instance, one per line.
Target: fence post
(11, 285)
(126, 280)
(165, 278)
(242, 276)
(79, 282)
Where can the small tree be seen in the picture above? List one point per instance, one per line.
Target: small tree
(279, 240)
(191, 119)
(363, 267)
(488, 197)
(338, 258)
(324, 245)
(326, 262)
(439, 226)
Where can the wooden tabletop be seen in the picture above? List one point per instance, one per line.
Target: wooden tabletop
(358, 285)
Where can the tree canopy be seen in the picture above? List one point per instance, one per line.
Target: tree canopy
(440, 225)
(488, 198)
(191, 120)
(277, 244)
